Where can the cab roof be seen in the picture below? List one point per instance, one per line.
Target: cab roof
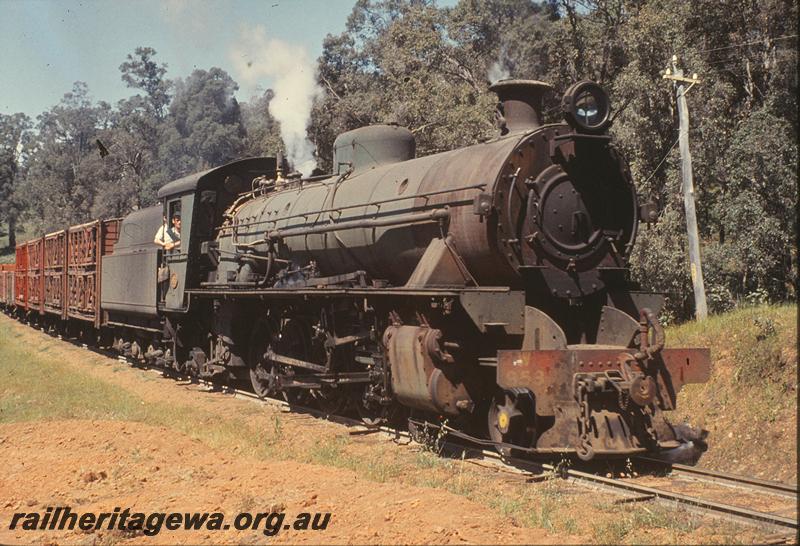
(247, 169)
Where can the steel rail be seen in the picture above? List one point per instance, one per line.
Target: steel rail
(713, 506)
(723, 477)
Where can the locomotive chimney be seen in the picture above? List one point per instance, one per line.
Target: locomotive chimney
(280, 168)
(520, 107)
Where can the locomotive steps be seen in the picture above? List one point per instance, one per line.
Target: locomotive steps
(49, 380)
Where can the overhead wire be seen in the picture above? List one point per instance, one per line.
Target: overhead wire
(763, 40)
(666, 155)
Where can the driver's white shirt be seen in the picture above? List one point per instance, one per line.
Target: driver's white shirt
(164, 235)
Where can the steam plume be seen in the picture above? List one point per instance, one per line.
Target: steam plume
(497, 72)
(292, 71)
(499, 69)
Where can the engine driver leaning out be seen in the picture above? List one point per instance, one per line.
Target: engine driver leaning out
(169, 237)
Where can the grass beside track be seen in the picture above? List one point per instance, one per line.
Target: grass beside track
(749, 405)
(38, 385)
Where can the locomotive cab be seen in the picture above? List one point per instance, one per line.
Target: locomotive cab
(202, 200)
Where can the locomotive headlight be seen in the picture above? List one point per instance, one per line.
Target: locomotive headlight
(586, 107)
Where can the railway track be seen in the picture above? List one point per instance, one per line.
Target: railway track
(646, 492)
(632, 490)
(457, 444)
(725, 478)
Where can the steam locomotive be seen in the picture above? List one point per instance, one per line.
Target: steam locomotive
(487, 285)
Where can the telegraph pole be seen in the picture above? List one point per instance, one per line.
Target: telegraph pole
(687, 185)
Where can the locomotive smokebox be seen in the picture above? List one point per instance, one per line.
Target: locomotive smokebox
(520, 105)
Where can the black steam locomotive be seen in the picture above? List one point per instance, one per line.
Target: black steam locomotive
(487, 285)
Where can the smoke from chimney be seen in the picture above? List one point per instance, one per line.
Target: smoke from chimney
(292, 73)
(499, 69)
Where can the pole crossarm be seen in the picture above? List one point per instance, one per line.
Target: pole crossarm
(693, 80)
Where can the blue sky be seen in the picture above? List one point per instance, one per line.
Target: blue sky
(46, 45)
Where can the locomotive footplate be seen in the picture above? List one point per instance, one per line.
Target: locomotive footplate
(599, 400)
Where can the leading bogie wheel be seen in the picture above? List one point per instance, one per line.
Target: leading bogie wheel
(511, 420)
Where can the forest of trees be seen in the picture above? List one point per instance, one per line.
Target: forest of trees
(428, 68)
